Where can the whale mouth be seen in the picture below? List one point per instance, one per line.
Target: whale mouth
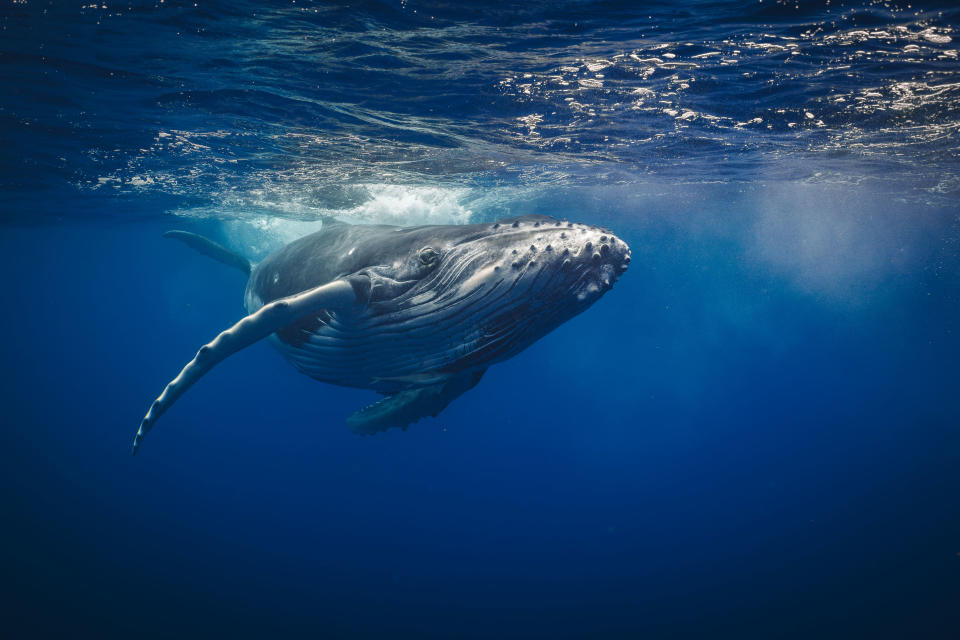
(595, 282)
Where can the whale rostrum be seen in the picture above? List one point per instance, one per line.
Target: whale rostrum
(417, 314)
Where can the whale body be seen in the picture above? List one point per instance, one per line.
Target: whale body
(417, 314)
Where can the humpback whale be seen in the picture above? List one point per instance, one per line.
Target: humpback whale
(416, 314)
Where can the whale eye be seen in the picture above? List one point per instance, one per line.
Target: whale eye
(429, 256)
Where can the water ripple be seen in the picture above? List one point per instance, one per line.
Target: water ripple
(205, 105)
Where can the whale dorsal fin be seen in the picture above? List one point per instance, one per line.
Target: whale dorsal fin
(208, 247)
(330, 221)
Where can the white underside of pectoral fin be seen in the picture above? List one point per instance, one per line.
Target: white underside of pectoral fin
(254, 327)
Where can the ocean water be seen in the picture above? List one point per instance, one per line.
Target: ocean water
(755, 434)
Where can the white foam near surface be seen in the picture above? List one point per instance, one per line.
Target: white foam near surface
(411, 205)
(270, 225)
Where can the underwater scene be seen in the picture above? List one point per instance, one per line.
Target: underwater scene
(571, 319)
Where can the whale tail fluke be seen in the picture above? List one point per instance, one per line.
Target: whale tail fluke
(210, 248)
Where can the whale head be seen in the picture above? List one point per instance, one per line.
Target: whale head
(464, 297)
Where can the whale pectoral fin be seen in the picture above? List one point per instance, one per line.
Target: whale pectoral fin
(256, 326)
(406, 407)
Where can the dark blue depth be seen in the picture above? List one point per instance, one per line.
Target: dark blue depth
(753, 435)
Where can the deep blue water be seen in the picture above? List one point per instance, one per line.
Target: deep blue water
(755, 434)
